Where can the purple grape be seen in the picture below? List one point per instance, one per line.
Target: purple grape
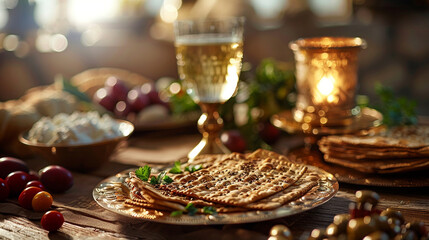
(122, 109)
(137, 100)
(116, 88)
(104, 99)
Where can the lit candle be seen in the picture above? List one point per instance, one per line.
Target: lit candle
(326, 72)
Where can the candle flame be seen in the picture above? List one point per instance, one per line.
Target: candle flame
(326, 85)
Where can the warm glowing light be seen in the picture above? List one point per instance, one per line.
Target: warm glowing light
(91, 36)
(82, 12)
(175, 88)
(42, 42)
(326, 85)
(10, 42)
(168, 13)
(58, 43)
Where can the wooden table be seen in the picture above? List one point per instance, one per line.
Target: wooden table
(85, 219)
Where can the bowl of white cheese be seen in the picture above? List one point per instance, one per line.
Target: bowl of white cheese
(81, 141)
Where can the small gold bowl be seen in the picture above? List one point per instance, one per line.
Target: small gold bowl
(83, 157)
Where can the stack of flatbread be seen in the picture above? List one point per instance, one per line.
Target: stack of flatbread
(261, 180)
(400, 149)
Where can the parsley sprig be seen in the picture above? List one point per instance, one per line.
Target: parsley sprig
(144, 173)
(177, 168)
(193, 168)
(191, 210)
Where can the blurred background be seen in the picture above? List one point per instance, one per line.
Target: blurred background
(42, 38)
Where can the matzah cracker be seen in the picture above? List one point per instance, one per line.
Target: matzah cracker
(297, 190)
(239, 180)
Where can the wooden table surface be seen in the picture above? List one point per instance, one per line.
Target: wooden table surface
(85, 219)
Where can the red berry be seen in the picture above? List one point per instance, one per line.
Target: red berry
(150, 90)
(116, 88)
(104, 99)
(4, 190)
(33, 176)
(26, 196)
(16, 182)
(268, 132)
(122, 109)
(56, 178)
(35, 183)
(10, 164)
(233, 140)
(52, 220)
(137, 100)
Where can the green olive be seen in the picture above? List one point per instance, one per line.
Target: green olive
(378, 235)
(281, 232)
(317, 234)
(366, 196)
(358, 228)
(393, 216)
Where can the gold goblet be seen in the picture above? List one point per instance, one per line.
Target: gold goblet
(209, 54)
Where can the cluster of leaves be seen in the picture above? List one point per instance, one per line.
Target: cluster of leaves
(182, 103)
(192, 210)
(270, 88)
(177, 168)
(396, 110)
(144, 174)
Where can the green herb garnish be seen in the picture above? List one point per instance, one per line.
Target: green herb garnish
(177, 213)
(396, 110)
(167, 179)
(191, 209)
(176, 169)
(143, 173)
(209, 210)
(154, 180)
(192, 169)
(162, 178)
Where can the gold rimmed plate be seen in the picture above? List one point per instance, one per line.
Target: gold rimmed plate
(112, 194)
(369, 118)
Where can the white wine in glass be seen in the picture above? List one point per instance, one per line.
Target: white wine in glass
(209, 55)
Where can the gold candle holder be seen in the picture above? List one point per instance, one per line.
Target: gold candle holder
(326, 73)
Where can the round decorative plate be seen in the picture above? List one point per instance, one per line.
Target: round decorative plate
(369, 118)
(351, 176)
(112, 194)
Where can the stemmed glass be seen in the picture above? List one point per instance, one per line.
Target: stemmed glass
(209, 54)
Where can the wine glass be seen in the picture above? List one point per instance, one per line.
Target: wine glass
(209, 53)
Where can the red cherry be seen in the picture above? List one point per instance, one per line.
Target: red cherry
(35, 183)
(10, 164)
(33, 176)
(268, 132)
(233, 140)
(16, 182)
(4, 190)
(26, 197)
(56, 178)
(52, 220)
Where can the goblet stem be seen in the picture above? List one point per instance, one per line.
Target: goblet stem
(210, 125)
